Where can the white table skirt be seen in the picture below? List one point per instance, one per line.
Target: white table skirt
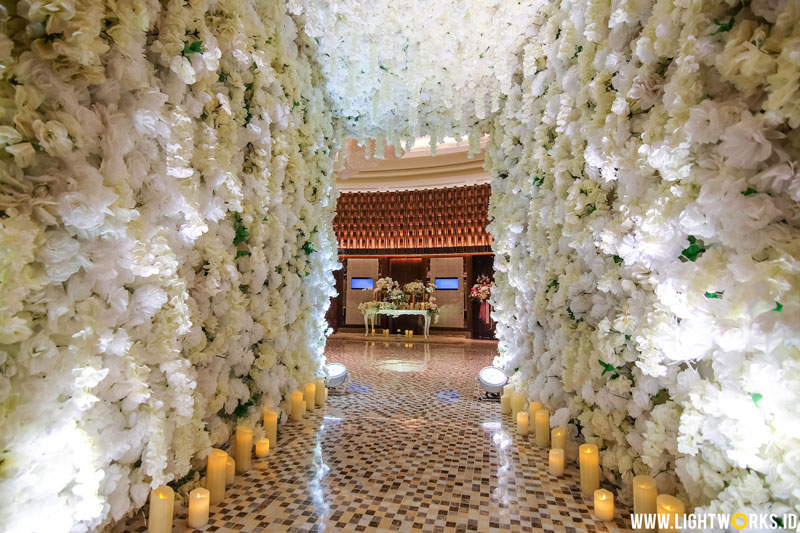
(424, 313)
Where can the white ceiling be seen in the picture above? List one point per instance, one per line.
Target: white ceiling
(417, 169)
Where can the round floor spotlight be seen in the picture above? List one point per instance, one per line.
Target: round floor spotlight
(335, 375)
(492, 380)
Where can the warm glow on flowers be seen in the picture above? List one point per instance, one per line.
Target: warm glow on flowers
(646, 241)
(165, 243)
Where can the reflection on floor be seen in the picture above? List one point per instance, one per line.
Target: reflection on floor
(407, 448)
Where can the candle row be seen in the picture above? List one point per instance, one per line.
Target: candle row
(221, 468)
(314, 394)
(406, 333)
(646, 500)
(220, 472)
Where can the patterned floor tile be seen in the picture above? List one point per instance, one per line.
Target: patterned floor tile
(407, 448)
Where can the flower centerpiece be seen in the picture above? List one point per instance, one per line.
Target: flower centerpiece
(415, 290)
(396, 295)
(427, 294)
(481, 292)
(382, 288)
(386, 283)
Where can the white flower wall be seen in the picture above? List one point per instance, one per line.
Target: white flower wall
(166, 245)
(647, 232)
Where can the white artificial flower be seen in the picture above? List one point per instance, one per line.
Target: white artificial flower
(23, 153)
(9, 135)
(183, 68)
(745, 143)
(647, 89)
(59, 253)
(53, 136)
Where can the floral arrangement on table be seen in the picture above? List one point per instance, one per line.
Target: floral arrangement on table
(166, 245)
(395, 297)
(482, 290)
(385, 284)
(415, 287)
(371, 307)
(644, 214)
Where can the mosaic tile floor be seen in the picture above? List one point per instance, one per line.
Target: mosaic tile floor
(407, 448)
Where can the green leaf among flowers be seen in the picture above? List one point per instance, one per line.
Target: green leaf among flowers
(694, 250)
(241, 231)
(756, 397)
(724, 26)
(607, 367)
(778, 307)
(195, 47)
(748, 191)
(715, 294)
(241, 409)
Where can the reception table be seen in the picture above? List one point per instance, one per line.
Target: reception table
(372, 313)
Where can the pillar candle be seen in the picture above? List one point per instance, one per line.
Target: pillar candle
(216, 471)
(198, 507)
(305, 406)
(517, 404)
(672, 506)
(297, 406)
(557, 462)
(505, 399)
(558, 438)
(243, 448)
(411, 333)
(589, 461)
(533, 407)
(230, 471)
(505, 404)
(326, 394)
(271, 425)
(162, 501)
(604, 505)
(262, 447)
(644, 495)
(543, 428)
(320, 388)
(310, 396)
(522, 423)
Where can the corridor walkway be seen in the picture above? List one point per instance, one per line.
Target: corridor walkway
(407, 448)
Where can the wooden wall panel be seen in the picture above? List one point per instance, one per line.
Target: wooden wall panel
(451, 220)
